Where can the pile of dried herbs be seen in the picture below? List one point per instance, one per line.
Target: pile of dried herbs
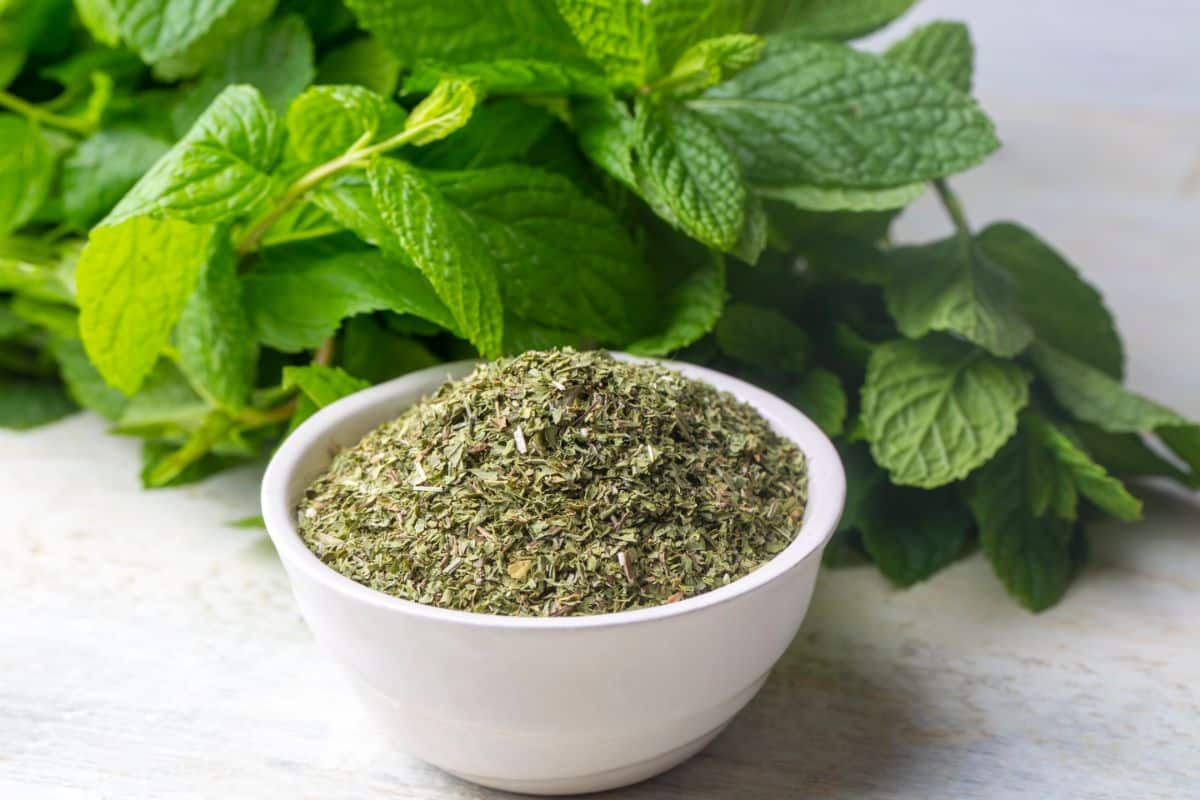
(556, 483)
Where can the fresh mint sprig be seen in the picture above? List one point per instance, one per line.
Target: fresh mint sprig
(226, 216)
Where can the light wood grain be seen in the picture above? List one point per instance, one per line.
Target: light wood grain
(149, 650)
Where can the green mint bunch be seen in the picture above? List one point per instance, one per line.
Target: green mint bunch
(217, 216)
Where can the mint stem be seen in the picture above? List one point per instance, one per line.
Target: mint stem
(38, 114)
(954, 209)
(356, 155)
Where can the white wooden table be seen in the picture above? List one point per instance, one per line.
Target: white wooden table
(149, 650)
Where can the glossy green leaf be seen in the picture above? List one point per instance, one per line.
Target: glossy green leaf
(825, 115)
(445, 247)
(326, 121)
(85, 385)
(710, 62)
(26, 404)
(912, 534)
(949, 286)
(1065, 311)
(103, 168)
(181, 36)
(1030, 554)
(218, 171)
(693, 308)
(680, 24)
(299, 295)
(820, 395)
(276, 58)
(364, 62)
(513, 76)
(322, 385)
(1094, 397)
(447, 108)
(133, 281)
(834, 19)
(457, 33)
(563, 259)
(818, 198)
(941, 50)
(1090, 478)
(217, 351)
(763, 338)
(935, 410)
(690, 170)
(617, 35)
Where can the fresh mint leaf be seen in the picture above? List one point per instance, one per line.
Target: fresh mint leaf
(1127, 455)
(693, 307)
(100, 19)
(372, 352)
(218, 171)
(133, 281)
(26, 170)
(617, 35)
(818, 198)
(446, 249)
(1094, 397)
(217, 351)
(103, 168)
(276, 58)
(298, 295)
(325, 121)
(1065, 312)
(826, 115)
(710, 62)
(1030, 554)
(1091, 479)
(512, 76)
(680, 24)
(447, 108)
(364, 62)
(913, 534)
(215, 426)
(322, 385)
(763, 338)
(1051, 486)
(935, 410)
(83, 382)
(941, 50)
(1184, 441)
(753, 239)
(834, 19)
(499, 132)
(820, 395)
(167, 407)
(159, 473)
(689, 170)
(532, 223)
(179, 37)
(949, 286)
(348, 200)
(607, 132)
(26, 404)
(458, 33)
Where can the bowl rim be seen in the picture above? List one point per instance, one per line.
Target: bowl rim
(826, 498)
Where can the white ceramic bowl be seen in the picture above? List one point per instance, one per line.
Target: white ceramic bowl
(550, 705)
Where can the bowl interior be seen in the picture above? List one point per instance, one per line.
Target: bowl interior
(310, 448)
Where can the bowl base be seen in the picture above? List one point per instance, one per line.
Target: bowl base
(598, 781)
